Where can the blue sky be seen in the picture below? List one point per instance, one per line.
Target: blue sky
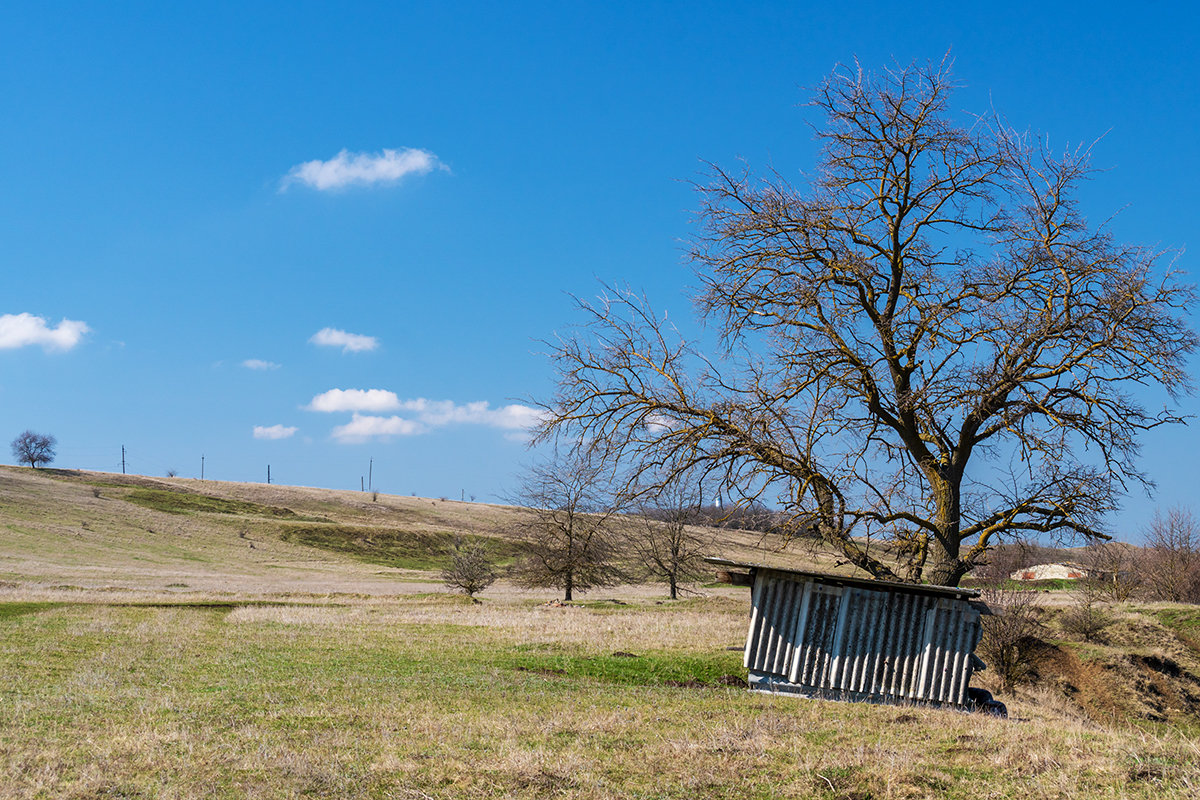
(534, 148)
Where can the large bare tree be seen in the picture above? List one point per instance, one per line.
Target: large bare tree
(925, 344)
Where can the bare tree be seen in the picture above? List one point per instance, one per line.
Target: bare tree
(1171, 569)
(568, 538)
(33, 449)
(1115, 570)
(925, 343)
(664, 540)
(471, 568)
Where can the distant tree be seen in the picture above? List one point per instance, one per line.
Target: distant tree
(1171, 569)
(664, 540)
(568, 535)
(471, 568)
(1115, 570)
(34, 449)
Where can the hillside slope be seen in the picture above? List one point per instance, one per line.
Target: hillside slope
(96, 529)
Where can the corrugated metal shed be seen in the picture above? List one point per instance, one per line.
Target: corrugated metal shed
(838, 637)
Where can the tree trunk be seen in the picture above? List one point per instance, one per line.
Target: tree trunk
(673, 590)
(568, 585)
(943, 568)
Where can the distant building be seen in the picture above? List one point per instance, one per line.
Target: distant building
(1050, 572)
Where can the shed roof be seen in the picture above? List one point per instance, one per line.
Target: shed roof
(846, 580)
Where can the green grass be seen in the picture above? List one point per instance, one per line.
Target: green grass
(187, 503)
(646, 669)
(1184, 620)
(1049, 585)
(11, 610)
(423, 698)
(390, 547)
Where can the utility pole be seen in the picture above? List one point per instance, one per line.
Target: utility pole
(268, 474)
(122, 459)
(361, 485)
(370, 475)
(202, 466)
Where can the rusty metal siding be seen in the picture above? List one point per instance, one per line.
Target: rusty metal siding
(886, 644)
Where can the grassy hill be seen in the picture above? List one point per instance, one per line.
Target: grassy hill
(175, 638)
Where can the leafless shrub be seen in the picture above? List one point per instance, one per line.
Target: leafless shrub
(471, 568)
(1086, 617)
(374, 495)
(171, 473)
(1012, 642)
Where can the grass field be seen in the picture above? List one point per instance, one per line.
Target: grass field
(156, 654)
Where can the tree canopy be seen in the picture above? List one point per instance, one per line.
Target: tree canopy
(925, 346)
(33, 449)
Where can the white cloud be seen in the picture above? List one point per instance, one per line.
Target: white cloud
(362, 427)
(436, 413)
(355, 400)
(423, 415)
(258, 363)
(349, 342)
(348, 168)
(659, 423)
(273, 432)
(23, 330)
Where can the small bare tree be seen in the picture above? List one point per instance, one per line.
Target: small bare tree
(568, 534)
(1172, 558)
(34, 449)
(471, 568)
(1115, 570)
(664, 540)
(1087, 616)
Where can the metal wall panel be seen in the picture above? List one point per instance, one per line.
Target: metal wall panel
(887, 645)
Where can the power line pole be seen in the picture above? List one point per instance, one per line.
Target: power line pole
(370, 474)
(122, 459)
(268, 474)
(202, 467)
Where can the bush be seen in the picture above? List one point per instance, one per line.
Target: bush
(471, 568)
(1087, 618)
(1012, 643)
